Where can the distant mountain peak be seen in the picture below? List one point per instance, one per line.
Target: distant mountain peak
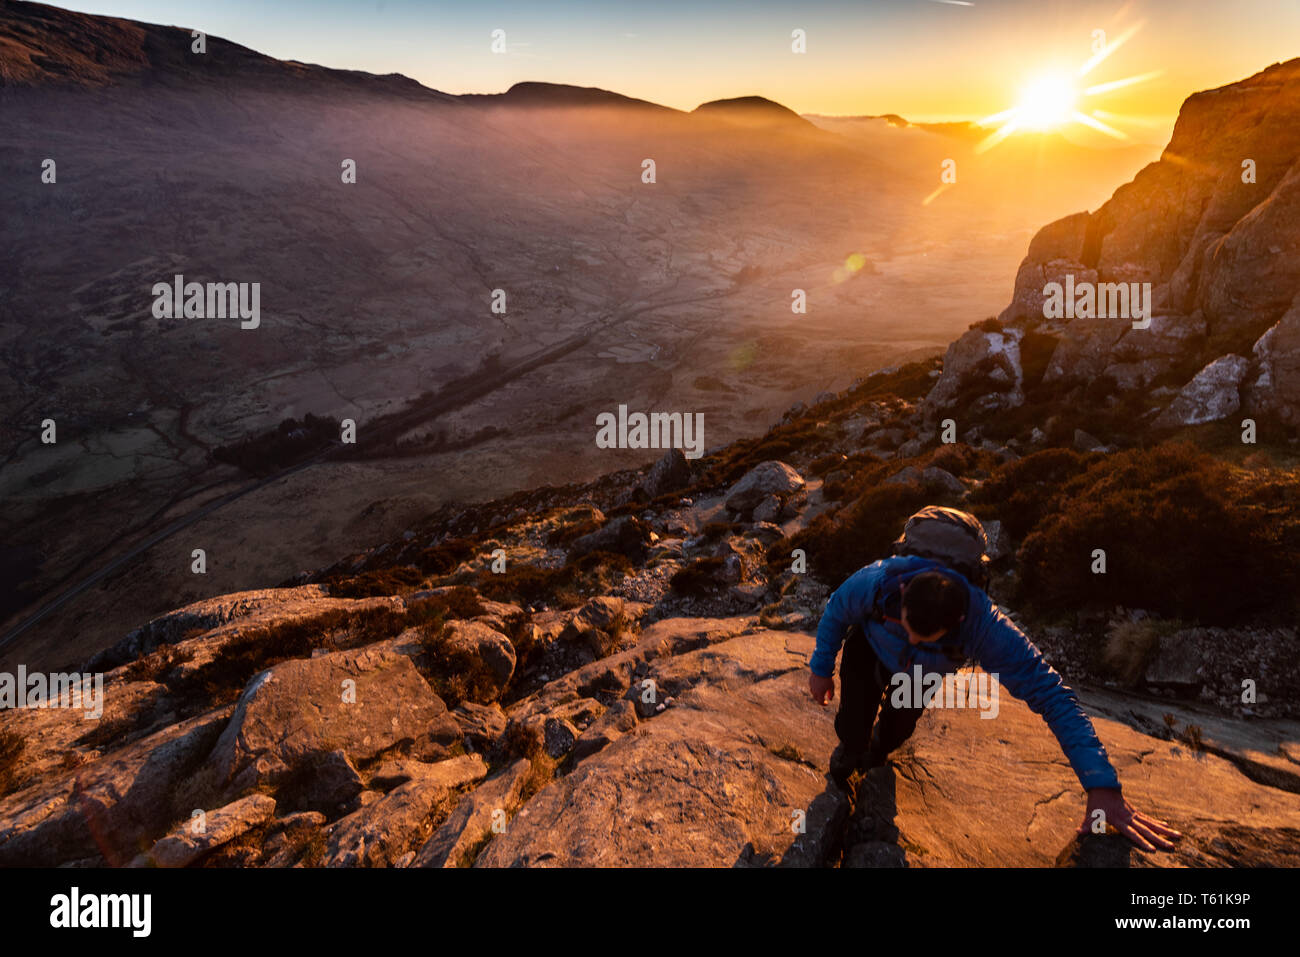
(753, 111)
(533, 93)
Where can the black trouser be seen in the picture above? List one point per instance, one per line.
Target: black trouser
(864, 681)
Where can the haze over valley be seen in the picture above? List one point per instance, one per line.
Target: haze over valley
(376, 296)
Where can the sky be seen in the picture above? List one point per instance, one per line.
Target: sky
(927, 60)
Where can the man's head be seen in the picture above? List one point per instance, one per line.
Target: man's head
(934, 605)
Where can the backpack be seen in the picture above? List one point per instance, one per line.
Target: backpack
(952, 537)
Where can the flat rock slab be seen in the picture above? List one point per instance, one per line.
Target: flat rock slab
(967, 791)
(732, 773)
(1264, 748)
(726, 773)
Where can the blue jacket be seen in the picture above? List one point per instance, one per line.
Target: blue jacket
(987, 636)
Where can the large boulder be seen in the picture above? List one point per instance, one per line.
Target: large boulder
(481, 641)
(1213, 394)
(671, 472)
(358, 702)
(1086, 350)
(625, 535)
(763, 480)
(1252, 271)
(983, 361)
(1276, 385)
(1055, 251)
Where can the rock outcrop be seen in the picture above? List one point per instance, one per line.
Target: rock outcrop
(1212, 227)
(102, 810)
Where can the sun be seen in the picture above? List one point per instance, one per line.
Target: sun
(1046, 102)
(1053, 100)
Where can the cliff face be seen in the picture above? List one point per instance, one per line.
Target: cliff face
(1214, 227)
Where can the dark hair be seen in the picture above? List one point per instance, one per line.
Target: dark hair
(934, 602)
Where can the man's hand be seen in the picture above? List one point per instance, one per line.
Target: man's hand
(822, 689)
(1146, 832)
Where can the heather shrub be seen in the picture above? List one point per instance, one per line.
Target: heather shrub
(961, 459)
(697, 579)
(455, 674)
(592, 574)
(445, 558)
(377, 583)
(11, 750)
(838, 545)
(1178, 537)
(1023, 492)
(863, 471)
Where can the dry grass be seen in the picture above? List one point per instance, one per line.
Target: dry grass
(567, 586)
(377, 583)
(156, 665)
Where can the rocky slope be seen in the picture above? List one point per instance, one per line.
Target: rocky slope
(631, 690)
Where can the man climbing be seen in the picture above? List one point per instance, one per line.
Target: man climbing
(926, 606)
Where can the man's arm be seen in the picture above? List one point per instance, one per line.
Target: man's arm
(848, 605)
(1003, 649)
